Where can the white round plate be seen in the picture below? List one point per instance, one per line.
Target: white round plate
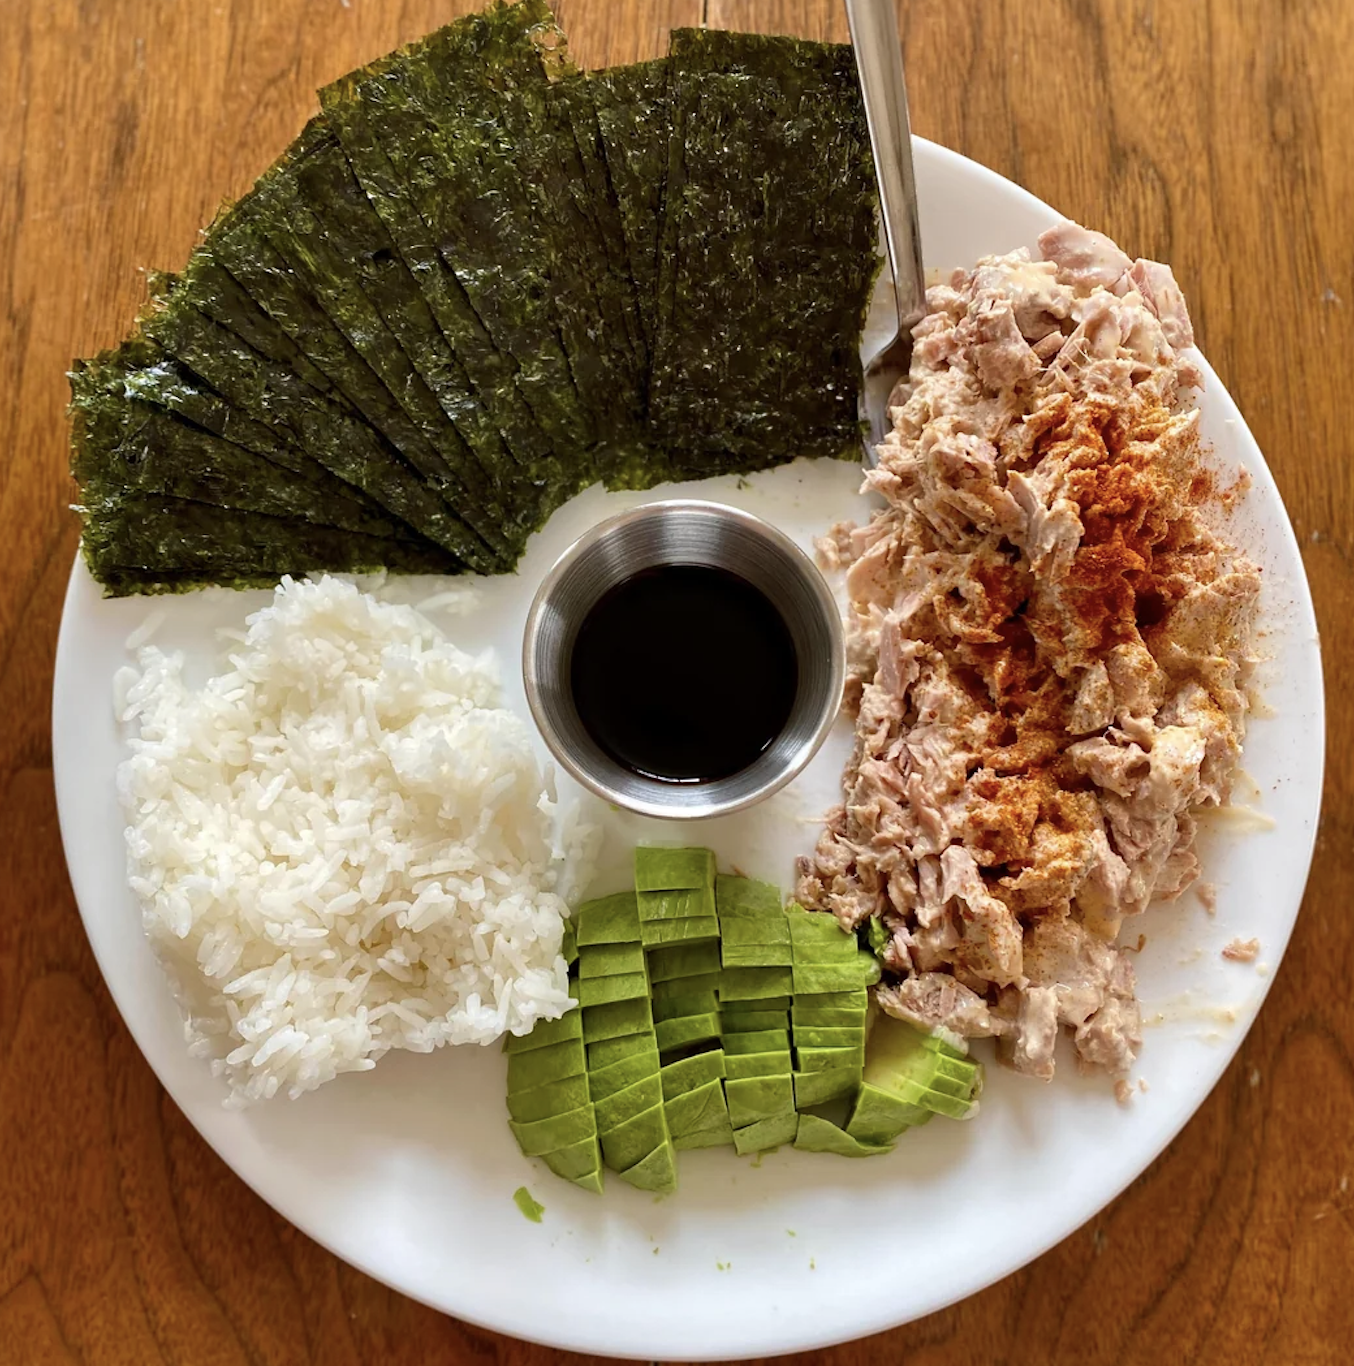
(408, 1171)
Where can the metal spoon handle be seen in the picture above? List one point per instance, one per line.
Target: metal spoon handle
(879, 60)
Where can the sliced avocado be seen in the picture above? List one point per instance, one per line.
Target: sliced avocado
(540, 1136)
(547, 1032)
(689, 1073)
(901, 1062)
(826, 1059)
(825, 1017)
(757, 1041)
(766, 1134)
(677, 1007)
(682, 960)
(622, 1073)
(745, 894)
(829, 1036)
(720, 1136)
(609, 920)
(749, 984)
(817, 1135)
(616, 1019)
(610, 960)
(554, 1098)
(701, 1108)
(961, 1069)
(755, 955)
(857, 1000)
(738, 1066)
(735, 1008)
(689, 1029)
(576, 1162)
(756, 1098)
(678, 903)
(540, 1066)
(614, 1110)
(863, 972)
(599, 991)
(657, 1172)
(951, 1047)
(569, 946)
(752, 1021)
(878, 1116)
(660, 870)
(816, 953)
(605, 1052)
(656, 933)
(817, 1088)
(816, 927)
(634, 1140)
(707, 984)
(750, 930)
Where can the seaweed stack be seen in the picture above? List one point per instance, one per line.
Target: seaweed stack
(478, 282)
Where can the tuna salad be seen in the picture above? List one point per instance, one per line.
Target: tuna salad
(1049, 643)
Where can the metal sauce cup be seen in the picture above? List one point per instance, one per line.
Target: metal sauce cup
(683, 531)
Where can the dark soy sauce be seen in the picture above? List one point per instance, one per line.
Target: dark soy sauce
(684, 673)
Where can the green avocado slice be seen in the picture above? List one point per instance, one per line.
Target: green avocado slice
(615, 1109)
(738, 1020)
(657, 933)
(687, 1030)
(540, 1066)
(546, 1032)
(742, 898)
(828, 1059)
(757, 1041)
(817, 1088)
(818, 1135)
(754, 955)
(623, 1072)
(609, 920)
(681, 988)
(879, 1116)
(678, 1007)
(773, 1063)
(683, 960)
(624, 986)
(616, 1019)
(634, 1140)
(829, 1036)
(750, 984)
(703, 1107)
(610, 960)
(756, 1098)
(603, 1053)
(657, 1172)
(662, 870)
(689, 1073)
(580, 1163)
(541, 1136)
(554, 1098)
(766, 1134)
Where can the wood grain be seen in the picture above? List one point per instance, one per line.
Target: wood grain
(1213, 136)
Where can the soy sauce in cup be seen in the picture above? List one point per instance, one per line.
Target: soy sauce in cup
(685, 673)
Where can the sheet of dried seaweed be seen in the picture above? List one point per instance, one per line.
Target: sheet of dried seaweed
(122, 446)
(494, 373)
(240, 241)
(632, 109)
(139, 375)
(274, 395)
(769, 220)
(335, 238)
(453, 114)
(180, 541)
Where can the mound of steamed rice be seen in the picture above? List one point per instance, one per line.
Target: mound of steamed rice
(342, 844)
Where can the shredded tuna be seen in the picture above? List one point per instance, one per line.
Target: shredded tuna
(1048, 650)
(1242, 950)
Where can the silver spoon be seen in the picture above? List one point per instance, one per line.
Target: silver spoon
(879, 60)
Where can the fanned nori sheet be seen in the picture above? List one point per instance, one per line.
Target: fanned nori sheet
(149, 539)
(343, 443)
(768, 252)
(476, 283)
(140, 420)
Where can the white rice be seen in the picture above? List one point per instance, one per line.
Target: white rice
(342, 845)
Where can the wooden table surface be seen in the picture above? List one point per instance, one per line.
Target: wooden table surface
(1213, 136)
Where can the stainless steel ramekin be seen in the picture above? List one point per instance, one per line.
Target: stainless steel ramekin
(683, 531)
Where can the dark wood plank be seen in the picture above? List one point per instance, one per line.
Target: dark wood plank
(1211, 136)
